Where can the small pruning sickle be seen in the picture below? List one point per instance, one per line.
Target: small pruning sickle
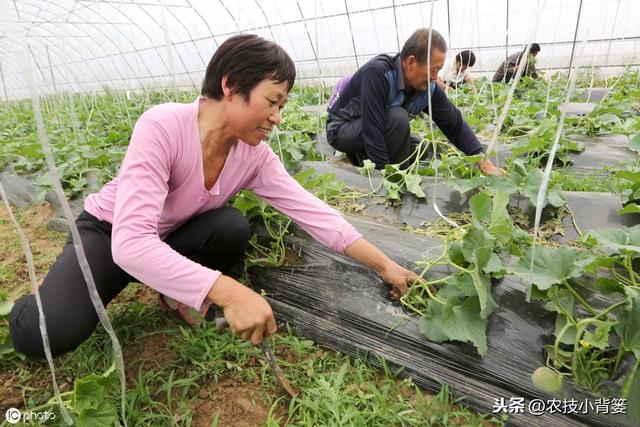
(266, 349)
(221, 324)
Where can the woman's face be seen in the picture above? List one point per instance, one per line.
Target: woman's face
(254, 119)
(461, 68)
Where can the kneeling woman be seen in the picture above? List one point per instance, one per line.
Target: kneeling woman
(163, 220)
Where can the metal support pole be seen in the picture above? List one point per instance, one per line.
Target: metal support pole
(4, 84)
(448, 23)
(53, 79)
(575, 37)
(353, 42)
(506, 42)
(613, 27)
(169, 48)
(395, 21)
(313, 49)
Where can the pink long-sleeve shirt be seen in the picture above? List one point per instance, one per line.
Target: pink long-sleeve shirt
(160, 185)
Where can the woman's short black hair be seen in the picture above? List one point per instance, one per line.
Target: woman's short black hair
(535, 47)
(466, 57)
(246, 60)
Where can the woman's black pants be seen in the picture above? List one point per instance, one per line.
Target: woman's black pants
(216, 239)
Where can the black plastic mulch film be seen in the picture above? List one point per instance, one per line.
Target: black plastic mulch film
(336, 302)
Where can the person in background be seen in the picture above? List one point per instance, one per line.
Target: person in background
(456, 73)
(165, 220)
(507, 70)
(369, 112)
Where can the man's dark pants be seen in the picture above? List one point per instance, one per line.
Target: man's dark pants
(346, 137)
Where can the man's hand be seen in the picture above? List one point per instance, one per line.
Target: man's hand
(249, 315)
(398, 277)
(488, 168)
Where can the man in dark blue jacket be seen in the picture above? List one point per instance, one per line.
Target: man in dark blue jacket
(369, 112)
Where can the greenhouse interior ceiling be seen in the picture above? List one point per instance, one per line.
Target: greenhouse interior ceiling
(320, 213)
(84, 45)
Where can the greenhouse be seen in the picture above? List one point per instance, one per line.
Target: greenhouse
(295, 212)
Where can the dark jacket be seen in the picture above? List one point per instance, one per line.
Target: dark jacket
(507, 71)
(378, 85)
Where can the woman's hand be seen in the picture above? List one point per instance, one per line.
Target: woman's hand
(388, 270)
(249, 315)
(398, 277)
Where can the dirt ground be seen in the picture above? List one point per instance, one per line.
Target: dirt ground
(234, 402)
(44, 244)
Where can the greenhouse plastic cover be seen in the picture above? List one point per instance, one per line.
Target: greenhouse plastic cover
(86, 45)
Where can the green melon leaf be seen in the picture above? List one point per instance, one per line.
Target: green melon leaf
(623, 238)
(627, 327)
(456, 323)
(629, 209)
(550, 266)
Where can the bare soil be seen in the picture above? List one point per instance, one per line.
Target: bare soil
(44, 244)
(233, 402)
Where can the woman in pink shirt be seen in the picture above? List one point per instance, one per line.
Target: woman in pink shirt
(164, 220)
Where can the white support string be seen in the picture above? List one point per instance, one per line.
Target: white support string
(321, 89)
(41, 319)
(548, 76)
(436, 208)
(542, 190)
(314, 50)
(23, 63)
(613, 28)
(77, 243)
(476, 50)
(523, 63)
(592, 69)
(10, 31)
